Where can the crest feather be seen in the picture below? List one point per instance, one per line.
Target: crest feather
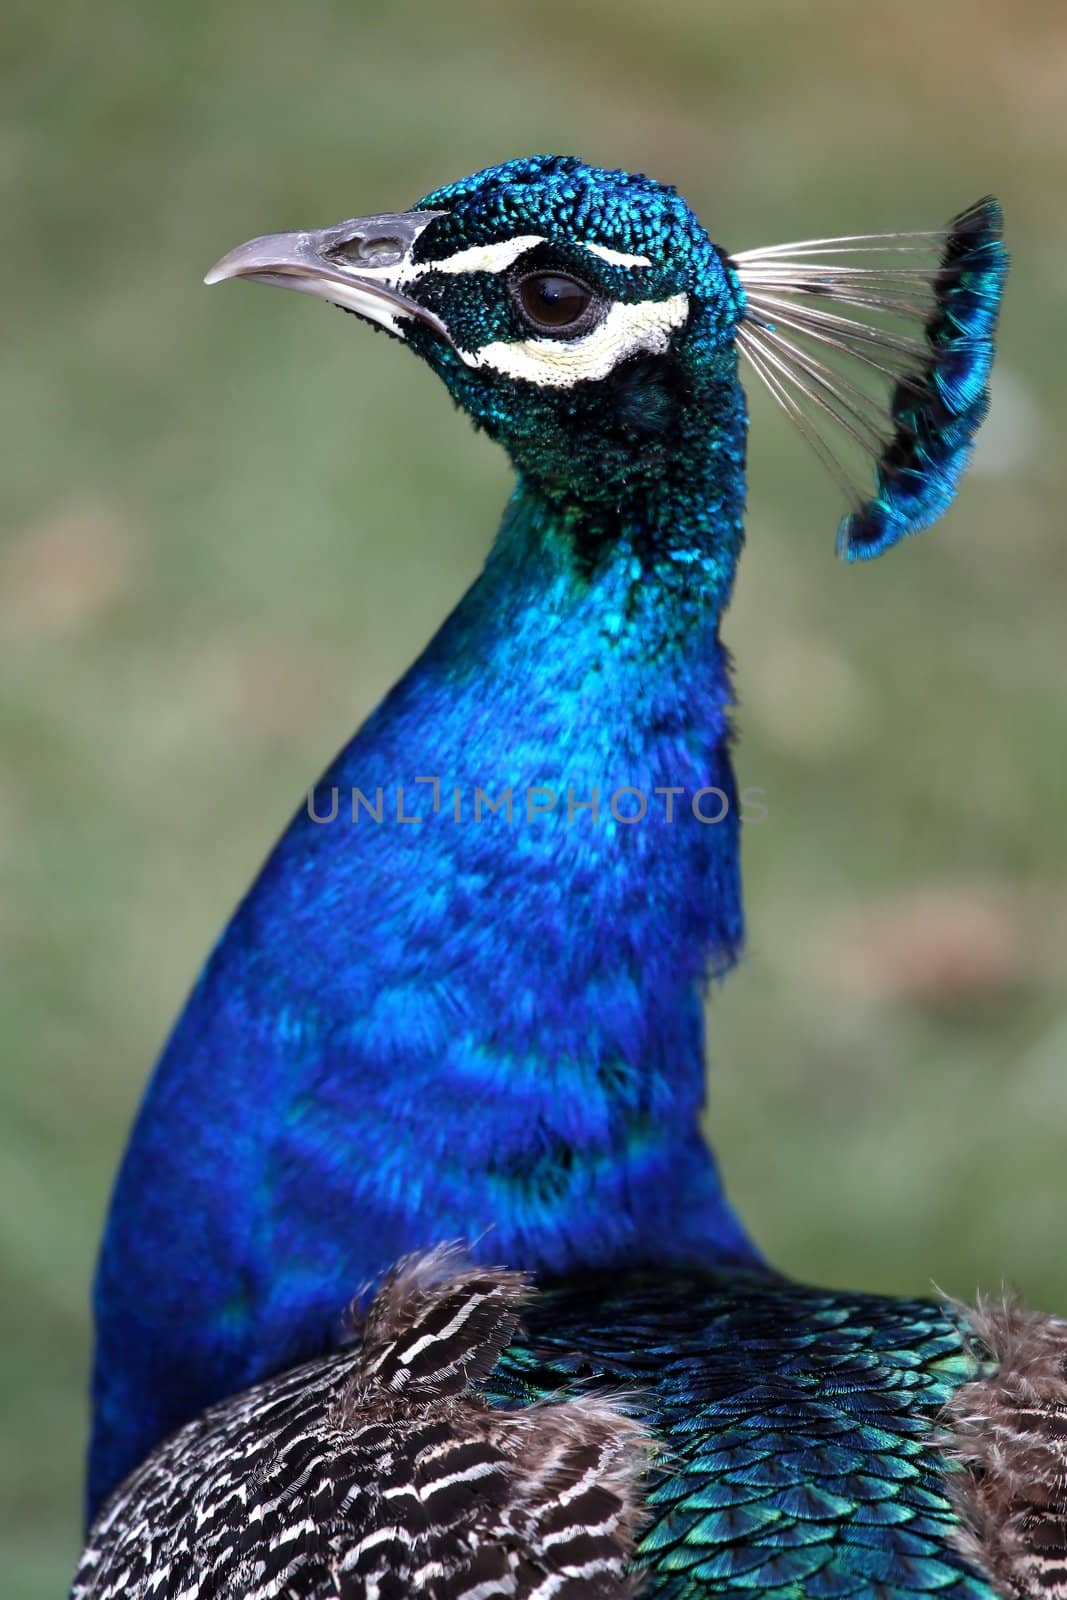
(831, 371)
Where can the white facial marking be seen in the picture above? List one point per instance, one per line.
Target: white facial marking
(616, 258)
(498, 257)
(560, 363)
(484, 257)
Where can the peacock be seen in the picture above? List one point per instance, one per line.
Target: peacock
(464, 1001)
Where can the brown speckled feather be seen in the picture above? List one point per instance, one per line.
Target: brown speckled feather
(1007, 1430)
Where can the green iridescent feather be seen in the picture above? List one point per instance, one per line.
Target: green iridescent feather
(799, 1430)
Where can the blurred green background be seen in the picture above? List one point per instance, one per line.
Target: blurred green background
(231, 519)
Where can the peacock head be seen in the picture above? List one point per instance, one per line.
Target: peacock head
(584, 319)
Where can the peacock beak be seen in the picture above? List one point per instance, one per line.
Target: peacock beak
(362, 265)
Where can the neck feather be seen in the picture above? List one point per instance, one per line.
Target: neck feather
(483, 1023)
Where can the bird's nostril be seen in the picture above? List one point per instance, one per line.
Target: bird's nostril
(380, 251)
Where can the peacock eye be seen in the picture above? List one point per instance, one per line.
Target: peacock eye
(552, 302)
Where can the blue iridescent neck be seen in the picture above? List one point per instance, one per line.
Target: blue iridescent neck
(483, 1023)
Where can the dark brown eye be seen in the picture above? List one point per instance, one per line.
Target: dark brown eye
(553, 302)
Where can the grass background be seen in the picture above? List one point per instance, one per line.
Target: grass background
(225, 535)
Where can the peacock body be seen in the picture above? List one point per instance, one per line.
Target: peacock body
(465, 993)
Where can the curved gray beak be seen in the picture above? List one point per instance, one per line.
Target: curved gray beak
(362, 265)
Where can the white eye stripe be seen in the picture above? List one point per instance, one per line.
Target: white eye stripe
(498, 257)
(627, 330)
(616, 258)
(484, 257)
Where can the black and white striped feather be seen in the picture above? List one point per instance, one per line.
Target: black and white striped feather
(380, 1473)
